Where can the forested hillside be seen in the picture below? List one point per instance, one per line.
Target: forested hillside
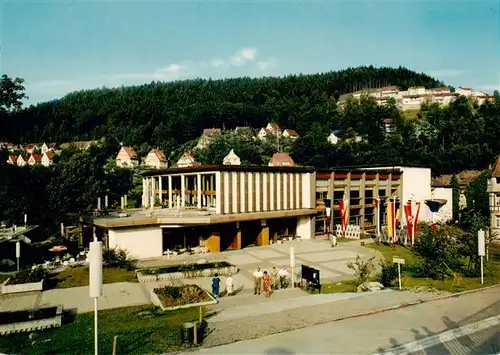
(168, 114)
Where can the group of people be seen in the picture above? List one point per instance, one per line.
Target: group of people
(216, 285)
(262, 281)
(277, 280)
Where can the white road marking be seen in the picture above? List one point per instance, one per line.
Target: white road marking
(422, 344)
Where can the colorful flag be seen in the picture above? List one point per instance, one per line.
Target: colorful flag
(390, 220)
(409, 220)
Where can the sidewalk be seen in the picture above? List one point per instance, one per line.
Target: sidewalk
(253, 321)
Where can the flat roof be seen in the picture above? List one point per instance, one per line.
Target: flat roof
(174, 218)
(237, 168)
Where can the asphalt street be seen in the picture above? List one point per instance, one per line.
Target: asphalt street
(469, 324)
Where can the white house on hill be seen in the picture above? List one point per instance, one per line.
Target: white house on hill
(127, 158)
(187, 160)
(290, 133)
(281, 159)
(156, 159)
(231, 159)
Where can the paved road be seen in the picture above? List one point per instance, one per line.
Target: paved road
(476, 315)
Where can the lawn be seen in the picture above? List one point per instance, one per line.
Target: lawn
(140, 330)
(491, 273)
(79, 276)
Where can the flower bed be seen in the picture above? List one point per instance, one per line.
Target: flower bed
(174, 297)
(177, 272)
(25, 281)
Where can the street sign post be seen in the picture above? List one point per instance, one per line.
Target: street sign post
(481, 249)
(18, 253)
(399, 261)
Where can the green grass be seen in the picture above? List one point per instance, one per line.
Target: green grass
(140, 330)
(79, 276)
(388, 252)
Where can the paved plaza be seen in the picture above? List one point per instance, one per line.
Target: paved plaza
(316, 253)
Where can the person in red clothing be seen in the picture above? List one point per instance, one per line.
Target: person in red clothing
(267, 284)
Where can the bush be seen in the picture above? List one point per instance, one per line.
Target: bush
(439, 251)
(181, 295)
(118, 258)
(362, 269)
(388, 274)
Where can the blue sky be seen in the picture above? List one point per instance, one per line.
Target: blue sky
(62, 46)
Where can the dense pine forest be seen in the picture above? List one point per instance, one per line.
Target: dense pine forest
(171, 116)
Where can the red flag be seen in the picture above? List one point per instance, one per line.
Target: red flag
(409, 221)
(415, 221)
(342, 214)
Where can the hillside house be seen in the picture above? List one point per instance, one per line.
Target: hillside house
(31, 148)
(187, 160)
(12, 160)
(127, 158)
(48, 147)
(22, 160)
(272, 129)
(35, 159)
(47, 158)
(208, 137)
(231, 159)
(290, 134)
(388, 125)
(334, 137)
(464, 91)
(281, 159)
(156, 159)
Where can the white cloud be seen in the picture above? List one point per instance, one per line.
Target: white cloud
(447, 73)
(216, 63)
(243, 56)
(265, 64)
(170, 72)
(52, 84)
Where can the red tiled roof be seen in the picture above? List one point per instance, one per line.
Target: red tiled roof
(281, 159)
(445, 89)
(291, 132)
(389, 88)
(466, 89)
(274, 126)
(131, 152)
(13, 158)
(36, 157)
(49, 155)
(211, 131)
(159, 154)
(495, 172)
(388, 120)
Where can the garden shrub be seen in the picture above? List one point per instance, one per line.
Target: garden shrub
(29, 276)
(118, 258)
(363, 269)
(388, 274)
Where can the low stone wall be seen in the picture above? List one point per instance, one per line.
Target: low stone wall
(222, 271)
(27, 287)
(32, 325)
(156, 301)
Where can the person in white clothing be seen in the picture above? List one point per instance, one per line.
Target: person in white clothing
(229, 285)
(257, 281)
(283, 274)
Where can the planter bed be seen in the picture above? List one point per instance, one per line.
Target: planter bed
(170, 298)
(177, 272)
(29, 320)
(24, 287)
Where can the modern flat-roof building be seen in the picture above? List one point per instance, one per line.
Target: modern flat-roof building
(221, 207)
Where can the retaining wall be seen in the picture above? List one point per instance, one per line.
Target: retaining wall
(32, 325)
(27, 287)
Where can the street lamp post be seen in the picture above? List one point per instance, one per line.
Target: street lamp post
(95, 285)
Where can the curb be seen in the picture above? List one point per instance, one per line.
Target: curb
(358, 315)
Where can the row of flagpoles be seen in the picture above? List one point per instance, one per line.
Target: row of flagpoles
(390, 207)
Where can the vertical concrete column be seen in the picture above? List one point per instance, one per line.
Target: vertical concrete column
(160, 189)
(144, 193)
(362, 195)
(170, 194)
(183, 191)
(263, 238)
(218, 192)
(152, 186)
(198, 187)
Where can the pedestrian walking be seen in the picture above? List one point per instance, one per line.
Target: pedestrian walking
(267, 284)
(274, 279)
(257, 281)
(215, 285)
(283, 274)
(229, 285)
